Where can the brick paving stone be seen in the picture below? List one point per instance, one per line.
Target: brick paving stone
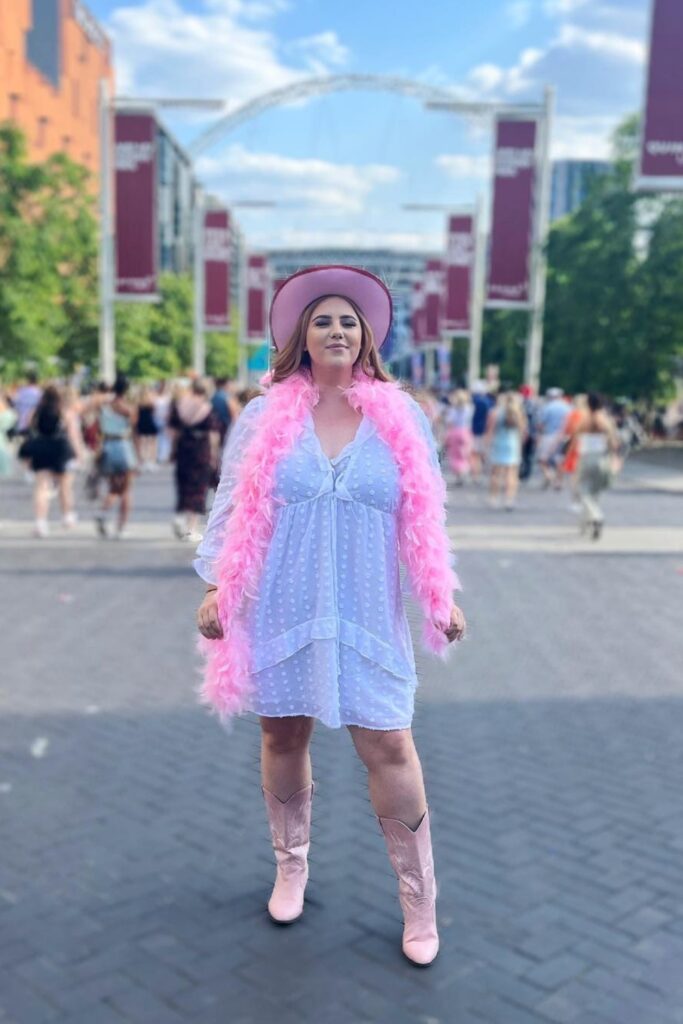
(137, 866)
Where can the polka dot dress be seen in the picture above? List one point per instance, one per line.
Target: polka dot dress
(329, 635)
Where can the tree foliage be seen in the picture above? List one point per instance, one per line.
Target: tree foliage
(155, 340)
(613, 317)
(48, 259)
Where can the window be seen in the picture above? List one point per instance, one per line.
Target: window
(43, 40)
(42, 131)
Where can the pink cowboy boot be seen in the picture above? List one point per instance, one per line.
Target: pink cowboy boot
(411, 857)
(290, 827)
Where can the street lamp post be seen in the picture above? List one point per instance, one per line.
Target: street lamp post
(532, 363)
(107, 356)
(107, 334)
(543, 115)
(199, 342)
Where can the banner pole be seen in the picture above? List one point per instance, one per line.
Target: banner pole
(198, 346)
(243, 366)
(477, 296)
(532, 365)
(107, 337)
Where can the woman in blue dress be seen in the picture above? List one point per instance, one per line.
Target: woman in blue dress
(331, 639)
(506, 430)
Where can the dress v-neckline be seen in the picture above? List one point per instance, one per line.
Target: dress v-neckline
(349, 444)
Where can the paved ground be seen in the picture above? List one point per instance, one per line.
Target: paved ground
(135, 861)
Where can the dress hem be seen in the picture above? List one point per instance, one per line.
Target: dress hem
(342, 725)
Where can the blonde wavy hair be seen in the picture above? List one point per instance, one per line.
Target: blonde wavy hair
(293, 356)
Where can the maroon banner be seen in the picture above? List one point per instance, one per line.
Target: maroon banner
(512, 220)
(460, 243)
(136, 215)
(257, 296)
(217, 252)
(434, 299)
(661, 154)
(417, 313)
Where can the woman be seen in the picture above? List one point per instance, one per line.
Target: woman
(459, 435)
(117, 462)
(49, 452)
(196, 440)
(598, 445)
(162, 412)
(8, 419)
(570, 462)
(146, 429)
(505, 433)
(326, 480)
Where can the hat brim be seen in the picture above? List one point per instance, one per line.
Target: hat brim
(364, 289)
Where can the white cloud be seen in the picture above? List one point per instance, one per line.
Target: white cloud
(222, 48)
(518, 12)
(338, 188)
(462, 166)
(583, 138)
(362, 239)
(492, 78)
(609, 44)
(563, 6)
(321, 52)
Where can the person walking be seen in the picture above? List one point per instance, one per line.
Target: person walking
(196, 441)
(458, 422)
(146, 429)
(570, 448)
(598, 446)
(225, 407)
(482, 403)
(8, 419)
(162, 413)
(328, 479)
(118, 462)
(551, 420)
(48, 452)
(505, 435)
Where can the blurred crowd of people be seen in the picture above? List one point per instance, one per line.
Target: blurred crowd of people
(504, 435)
(108, 435)
(51, 432)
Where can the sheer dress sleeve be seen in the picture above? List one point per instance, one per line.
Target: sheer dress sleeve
(238, 438)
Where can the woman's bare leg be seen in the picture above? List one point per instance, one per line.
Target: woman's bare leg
(511, 483)
(285, 755)
(41, 494)
(395, 777)
(66, 497)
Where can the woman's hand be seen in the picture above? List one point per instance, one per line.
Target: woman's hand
(456, 629)
(208, 622)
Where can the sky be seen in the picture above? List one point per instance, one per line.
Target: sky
(341, 167)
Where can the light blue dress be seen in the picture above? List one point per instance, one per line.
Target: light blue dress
(506, 448)
(328, 631)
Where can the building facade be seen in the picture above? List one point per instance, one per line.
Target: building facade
(53, 57)
(175, 204)
(570, 183)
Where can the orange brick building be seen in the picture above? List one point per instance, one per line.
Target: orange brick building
(53, 56)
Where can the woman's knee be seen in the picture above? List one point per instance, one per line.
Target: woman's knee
(379, 748)
(286, 735)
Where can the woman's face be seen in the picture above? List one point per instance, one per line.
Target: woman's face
(334, 334)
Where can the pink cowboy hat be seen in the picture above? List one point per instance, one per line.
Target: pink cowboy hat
(367, 291)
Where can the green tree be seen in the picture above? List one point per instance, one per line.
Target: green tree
(155, 340)
(613, 318)
(48, 259)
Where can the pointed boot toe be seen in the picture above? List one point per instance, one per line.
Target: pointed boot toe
(290, 828)
(411, 857)
(421, 951)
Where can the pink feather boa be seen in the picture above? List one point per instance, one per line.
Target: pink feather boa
(424, 543)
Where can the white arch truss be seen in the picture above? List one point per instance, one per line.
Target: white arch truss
(429, 94)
